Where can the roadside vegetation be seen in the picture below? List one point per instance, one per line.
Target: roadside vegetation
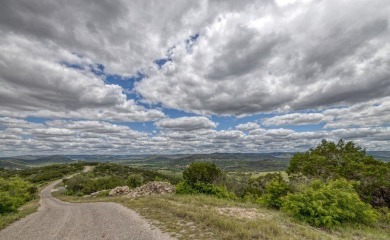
(19, 189)
(333, 191)
(109, 175)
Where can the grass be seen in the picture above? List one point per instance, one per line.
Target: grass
(28, 208)
(207, 217)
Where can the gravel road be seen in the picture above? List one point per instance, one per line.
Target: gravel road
(56, 219)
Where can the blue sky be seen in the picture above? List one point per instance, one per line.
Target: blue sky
(254, 76)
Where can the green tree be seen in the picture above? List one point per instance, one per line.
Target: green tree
(135, 180)
(203, 172)
(345, 160)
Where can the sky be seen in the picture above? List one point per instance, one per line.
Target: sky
(147, 77)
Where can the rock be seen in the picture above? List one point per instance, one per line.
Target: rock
(152, 188)
(119, 191)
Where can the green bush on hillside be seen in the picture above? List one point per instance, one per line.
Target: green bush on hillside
(204, 188)
(204, 172)
(109, 175)
(257, 186)
(274, 191)
(346, 160)
(200, 177)
(14, 192)
(328, 204)
(134, 180)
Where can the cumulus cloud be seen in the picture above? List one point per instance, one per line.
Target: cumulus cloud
(247, 126)
(266, 57)
(372, 113)
(217, 58)
(295, 119)
(35, 83)
(186, 123)
(99, 137)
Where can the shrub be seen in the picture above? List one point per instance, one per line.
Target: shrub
(257, 186)
(346, 160)
(204, 172)
(204, 188)
(328, 204)
(134, 180)
(274, 191)
(14, 192)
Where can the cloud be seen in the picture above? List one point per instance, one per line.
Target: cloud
(186, 123)
(221, 58)
(35, 83)
(372, 113)
(100, 137)
(247, 126)
(266, 57)
(115, 33)
(295, 119)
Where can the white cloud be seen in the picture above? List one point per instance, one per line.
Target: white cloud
(186, 123)
(99, 137)
(295, 119)
(265, 58)
(35, 83)
(372, 113)
(247, 126)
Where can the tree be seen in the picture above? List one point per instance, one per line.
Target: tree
(345, 160)
(204, 172)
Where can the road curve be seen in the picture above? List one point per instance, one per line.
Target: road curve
(56, 219)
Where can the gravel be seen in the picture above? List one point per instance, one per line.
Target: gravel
(56, 219)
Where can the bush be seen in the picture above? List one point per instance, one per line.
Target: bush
(257, 186)
(204, 188)
(203, 172)
(274, 191)
(14, 192)
(81, 184)
(134, 180)
(328, 204)
(346, 160)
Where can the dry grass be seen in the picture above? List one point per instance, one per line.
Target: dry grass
(205, 217)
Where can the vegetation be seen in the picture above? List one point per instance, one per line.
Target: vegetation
(45, 174)
(109, 175)
(346, 160)
(14, 192)
(329, 185)
(329, 204)
(208, 217)
(204, 172)
(332, 191)
(8, 218)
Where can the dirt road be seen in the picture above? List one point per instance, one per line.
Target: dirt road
(56, 219)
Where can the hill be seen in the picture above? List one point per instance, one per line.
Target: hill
(20, 163)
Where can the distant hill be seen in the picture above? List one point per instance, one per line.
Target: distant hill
(273, 161)
(12, 164)
(21, 163)
(50, 159)
(380, 155)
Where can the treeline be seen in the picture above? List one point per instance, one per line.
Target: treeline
(332, 184)
(20, 186)
(109, 175)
